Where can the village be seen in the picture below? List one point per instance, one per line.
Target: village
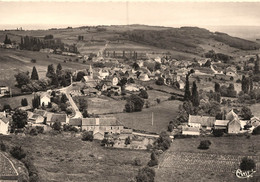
(132, 100)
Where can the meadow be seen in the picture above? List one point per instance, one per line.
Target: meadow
(64, 157)
(163, 113)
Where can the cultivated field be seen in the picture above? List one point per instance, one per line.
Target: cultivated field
(184, 162)
(68, 158)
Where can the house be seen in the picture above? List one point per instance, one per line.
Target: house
(190, 131)
(234, 126)
(45, 99)
(254, 121)
(4, 90)
(4, 124)
(221, 124)
(36, 119)
(77, 122)
(231, 115)
(102, 125)
(201, 122)
(53, 117)
(144, 77)
(41, 112)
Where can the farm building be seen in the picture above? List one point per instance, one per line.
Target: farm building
(102, 125)
(190, 131)
(36, 119)
(221, 124)
(53, 117)
(4, 124)
(234, 126)
(4, 90)
(201, 121)
(45, 99)
(77, 122)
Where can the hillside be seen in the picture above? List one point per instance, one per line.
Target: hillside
(188, 40)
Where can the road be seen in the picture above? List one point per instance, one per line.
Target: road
(66, 90)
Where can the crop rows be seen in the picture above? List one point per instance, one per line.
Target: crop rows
(6, 169)
(203, 161)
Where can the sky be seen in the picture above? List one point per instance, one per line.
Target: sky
(34, 15)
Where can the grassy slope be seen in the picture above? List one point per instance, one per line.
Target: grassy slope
(66, 158)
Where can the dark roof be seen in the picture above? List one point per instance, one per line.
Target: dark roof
(56, 117)
(203, 120)
(75, 121)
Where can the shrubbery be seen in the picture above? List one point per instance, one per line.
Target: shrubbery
(153, 161)
(247, 164)
(87, 136)
(256, 131)
(218, 132)
(204, 144)
(17, 152)
(145, 174)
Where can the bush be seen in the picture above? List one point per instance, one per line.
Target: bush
(40, 129)
(218, 133)
(87, 136)
(153, 161)
(160, 81)
(17, 152)
(204, 144)
(137, 162)
(256, 131)
(33, 173)
(33, 132)
(24, 102)
(33, 60)
(56, 126)
(247, 164)
(127, 141)
(143, 94)
(2, 146)
(158, 100)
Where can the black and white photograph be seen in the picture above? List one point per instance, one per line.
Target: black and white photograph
(129, 91)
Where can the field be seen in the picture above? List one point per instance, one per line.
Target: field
(255, 110)
(15, 102)
(68, 158)
(184, 162)
(14, 61)
(163, 113)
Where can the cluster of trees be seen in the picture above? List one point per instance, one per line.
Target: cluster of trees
(134, 103)
(32, 83)
(7, 40)
(228, 91)
(35, 44)
(218, 56)
(19, 119)
(251, 98)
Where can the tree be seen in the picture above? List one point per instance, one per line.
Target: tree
(64, 98)
(87, 136)
(18, 152)
(59, 69)
(247, 164)
(7, 107)
(50, 71)
(24, 102)
(145, 174)
(80, 75)
(143, 94)
(83, 104)
(136, 101)
(36, 101)
(135, 66)
(187, 94)
(7, 40)
(163, 142)
(256, 131)
(217, 87)
(55, 80)
(123, 82)
(160, 81)
(56, 126)
(157, 66)
(207, 64)
(127, 140)
(218, 132)
(85, 114)
(246, 113)
(195, 95)
(22, 78)
(153, 161)
(204, 144)
(34, 75)
(19, 118)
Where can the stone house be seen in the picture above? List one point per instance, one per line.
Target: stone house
(4, 124)
(45, 99)
(200, 122)
(190, 131)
